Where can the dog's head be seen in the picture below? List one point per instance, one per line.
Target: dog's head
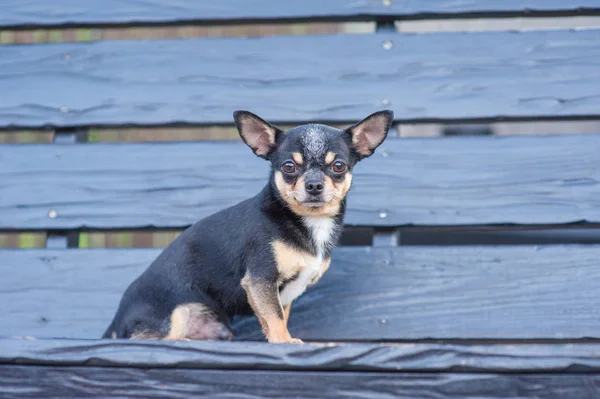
(312, 164)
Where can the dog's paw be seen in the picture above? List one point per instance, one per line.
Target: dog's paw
(289, 340)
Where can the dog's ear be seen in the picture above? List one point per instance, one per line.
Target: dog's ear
(258, 134)
(369, 133)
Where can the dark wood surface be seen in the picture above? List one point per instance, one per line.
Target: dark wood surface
(34, 382)
(373, 294)
(432, 182)
(343, 78)
(98, 12)
(568, 358)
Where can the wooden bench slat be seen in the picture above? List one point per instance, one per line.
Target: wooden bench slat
(99, 12)
(447, 181)
(374, 294)
(32, 382)
(493, 75)
(570, 357)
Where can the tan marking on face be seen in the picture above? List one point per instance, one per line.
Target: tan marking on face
(297, 157)
(290, 261)
(289, 193)
(264, 301)
(340, 189)
(299, 185)
(330, 157)
(324, 267)
(336, 191)
(283, 188)
(345, 185)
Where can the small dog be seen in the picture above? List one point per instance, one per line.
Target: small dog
(257, 256)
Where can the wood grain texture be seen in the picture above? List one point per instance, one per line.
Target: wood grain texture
(445, 76)
(97, 12)
(34, 382)
(565, 358)
(433, 182)
(368, 294)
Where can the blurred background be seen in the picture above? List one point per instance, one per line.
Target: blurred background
(410, 24)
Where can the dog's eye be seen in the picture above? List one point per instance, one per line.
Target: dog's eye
(339, 167)
(288, 167)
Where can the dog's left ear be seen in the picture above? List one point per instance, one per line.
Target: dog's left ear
(258, 134)
(369, 133)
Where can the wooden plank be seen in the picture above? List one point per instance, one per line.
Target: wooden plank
(432, 182)
(34, 382)
(572, 357)
(444, 76)
(395, 294)
(102, 12)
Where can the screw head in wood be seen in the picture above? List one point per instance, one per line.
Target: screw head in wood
(64, 109)
(386, 3)
(387, 44)
(383, 213)
(52, 214)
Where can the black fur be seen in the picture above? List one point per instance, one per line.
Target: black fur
(207, 262)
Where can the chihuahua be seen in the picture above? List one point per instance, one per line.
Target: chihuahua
(258, 256)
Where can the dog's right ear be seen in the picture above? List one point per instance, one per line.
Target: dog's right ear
(258, 134)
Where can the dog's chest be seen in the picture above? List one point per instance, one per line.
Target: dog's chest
(307, 267)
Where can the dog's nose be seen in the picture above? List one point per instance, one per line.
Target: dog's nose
(314, 187)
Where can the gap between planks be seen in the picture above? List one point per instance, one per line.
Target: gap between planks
(470, 24)
(126, 134)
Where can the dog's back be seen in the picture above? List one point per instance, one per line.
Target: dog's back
(200, 266)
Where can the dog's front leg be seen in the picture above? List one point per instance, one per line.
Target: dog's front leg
(263, 297)
(286, 313)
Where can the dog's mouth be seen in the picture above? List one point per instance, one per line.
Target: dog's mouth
(313, 203)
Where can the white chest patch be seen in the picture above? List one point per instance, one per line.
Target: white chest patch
(295, 288)
(321, 230)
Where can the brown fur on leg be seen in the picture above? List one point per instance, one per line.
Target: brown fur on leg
(146, 335)
(286, 312)
(196, 321)
(191, 321)
(264, 300)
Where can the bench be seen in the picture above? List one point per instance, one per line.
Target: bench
(470, 263)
